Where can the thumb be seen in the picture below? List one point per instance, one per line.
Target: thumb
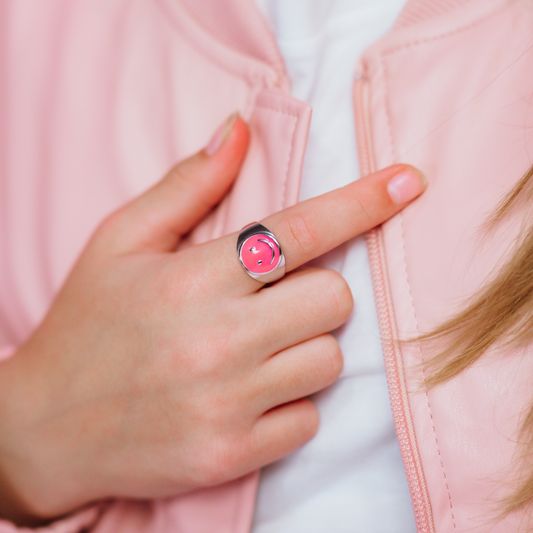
(158, 218)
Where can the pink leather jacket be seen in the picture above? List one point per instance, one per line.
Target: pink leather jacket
(99, 98)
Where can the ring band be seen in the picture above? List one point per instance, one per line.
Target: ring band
(260, 253)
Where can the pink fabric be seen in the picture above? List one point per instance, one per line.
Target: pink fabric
(101, 97)
(240, 25)
(416, 11)
(446, 97)
(97, 97)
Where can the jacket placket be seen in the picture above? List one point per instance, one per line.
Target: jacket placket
(391, 352)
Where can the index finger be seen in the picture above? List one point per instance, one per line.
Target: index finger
(316, 226)
(313, 227)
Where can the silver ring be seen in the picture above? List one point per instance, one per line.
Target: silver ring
(260, 253)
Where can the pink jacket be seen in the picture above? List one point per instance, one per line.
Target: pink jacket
(99, 98)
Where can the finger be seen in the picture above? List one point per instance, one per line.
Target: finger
(158, 218)
(304, 304)
(282, 430)
(275, 434)
(298, 371)
(312, 228)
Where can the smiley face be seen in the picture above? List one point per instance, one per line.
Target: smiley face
(260, 254)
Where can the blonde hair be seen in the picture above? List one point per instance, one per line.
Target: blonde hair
(501, 313)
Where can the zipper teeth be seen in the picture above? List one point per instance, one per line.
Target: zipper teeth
(398, 393)
(394, 369)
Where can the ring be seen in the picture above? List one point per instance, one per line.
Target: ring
(260, 253)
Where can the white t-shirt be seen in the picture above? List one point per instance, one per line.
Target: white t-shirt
(350, 477)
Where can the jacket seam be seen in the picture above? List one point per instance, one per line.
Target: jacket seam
(424, 375)
(225, 56)
(404, 259)
(255, 88)
(289, 156)
(447, 34)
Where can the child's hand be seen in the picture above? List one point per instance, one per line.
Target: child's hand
(157, 372)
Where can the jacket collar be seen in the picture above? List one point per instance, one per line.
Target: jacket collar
(419, 10)
(240, 25)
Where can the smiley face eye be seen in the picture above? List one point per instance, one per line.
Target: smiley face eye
(259, 254)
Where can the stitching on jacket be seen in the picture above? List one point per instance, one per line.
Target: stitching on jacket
(255, 88)
(404, 258)
(450, 33)
(424, 375)
(293, 133)
(271, 108)
(247, 69)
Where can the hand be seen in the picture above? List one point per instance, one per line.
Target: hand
(157, 372)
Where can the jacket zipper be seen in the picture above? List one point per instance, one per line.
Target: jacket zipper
(391, 353)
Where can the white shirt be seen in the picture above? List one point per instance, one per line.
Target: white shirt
(350, 477)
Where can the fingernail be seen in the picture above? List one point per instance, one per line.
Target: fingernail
(220, 136)
(406, 185)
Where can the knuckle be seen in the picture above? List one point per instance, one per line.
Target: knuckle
(334, 361)
(365, 215)
(339, 292)
(207, 470)
(184, 177)
(302, 234)
(109, 231)
(111, 223)
(217, 463)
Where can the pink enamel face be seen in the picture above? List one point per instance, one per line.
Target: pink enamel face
(260, 254)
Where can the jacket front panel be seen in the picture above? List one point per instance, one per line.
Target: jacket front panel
(453, 97)
(98, 104)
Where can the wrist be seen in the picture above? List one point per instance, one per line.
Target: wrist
(26, 499)
(13, 507)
